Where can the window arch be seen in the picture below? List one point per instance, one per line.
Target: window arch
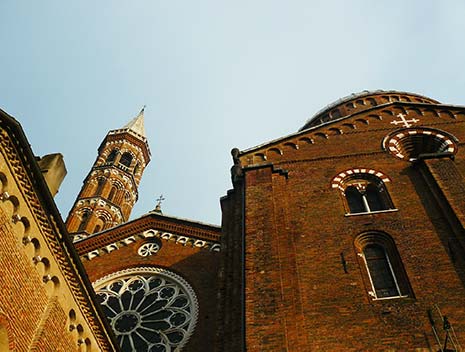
(112, 156)
(126, 159)
(383, 266)
(363, 191)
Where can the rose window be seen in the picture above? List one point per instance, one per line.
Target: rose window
(149, 309)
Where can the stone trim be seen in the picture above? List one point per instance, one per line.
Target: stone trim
(152, 233)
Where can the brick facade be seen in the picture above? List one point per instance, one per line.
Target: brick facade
(347, 235)
(45, 302)
(306, 285)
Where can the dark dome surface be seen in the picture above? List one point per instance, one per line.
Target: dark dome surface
(357, 102)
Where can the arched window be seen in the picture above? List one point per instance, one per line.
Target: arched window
(126, 159)
(380, 270)
(354, 200)
(363, 192)
(112, 156)
(112, 193)
(84, 219)
(384, 269)
(101, 183)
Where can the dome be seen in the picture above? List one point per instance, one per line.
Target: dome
(362, 101)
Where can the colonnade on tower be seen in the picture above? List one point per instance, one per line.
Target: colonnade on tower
(110, 190)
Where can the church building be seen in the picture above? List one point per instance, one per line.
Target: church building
(347, 235)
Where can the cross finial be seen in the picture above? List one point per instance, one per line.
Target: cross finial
(159, 201)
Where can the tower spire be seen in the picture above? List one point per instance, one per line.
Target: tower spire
(137, 124)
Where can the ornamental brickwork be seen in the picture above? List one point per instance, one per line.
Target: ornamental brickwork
(45, 298)
(110, 190)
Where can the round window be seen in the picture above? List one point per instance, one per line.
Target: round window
(149, 309)
(148, 249)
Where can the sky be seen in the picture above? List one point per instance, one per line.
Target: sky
(214, 75)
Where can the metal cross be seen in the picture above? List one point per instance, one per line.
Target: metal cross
(404, 121)
(159, 200)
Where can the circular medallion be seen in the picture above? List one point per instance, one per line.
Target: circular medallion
(148, 248)
(149, 309)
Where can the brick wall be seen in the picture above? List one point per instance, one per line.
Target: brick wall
(35, 321)
(298, 296)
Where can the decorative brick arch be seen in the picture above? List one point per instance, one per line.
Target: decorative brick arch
(409, 143)
(339, 179)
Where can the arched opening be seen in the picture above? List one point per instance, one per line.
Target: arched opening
(100, 184)
(365, 193)
(112, 156)
(384, 269)
(380, 270)
(84, 219)
(126, 159)
(112, 193)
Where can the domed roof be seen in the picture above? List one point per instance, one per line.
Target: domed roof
(357, 102)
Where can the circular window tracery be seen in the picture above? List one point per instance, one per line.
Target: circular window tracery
(149, 309)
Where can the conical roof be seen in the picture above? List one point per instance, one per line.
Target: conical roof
(137, 124)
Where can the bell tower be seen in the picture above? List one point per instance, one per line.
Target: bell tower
(110, 191)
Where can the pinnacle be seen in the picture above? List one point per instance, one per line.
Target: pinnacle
(137, 124)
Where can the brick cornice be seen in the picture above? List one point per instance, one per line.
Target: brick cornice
(40, 202)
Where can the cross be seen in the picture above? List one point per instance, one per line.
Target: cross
(159, 200)
(404, 121)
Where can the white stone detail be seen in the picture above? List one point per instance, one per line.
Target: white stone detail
(149, 248)
(403, 121)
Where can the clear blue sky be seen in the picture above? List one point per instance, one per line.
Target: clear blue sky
(214, 75)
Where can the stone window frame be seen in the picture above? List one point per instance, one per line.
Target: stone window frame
(394, 263)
